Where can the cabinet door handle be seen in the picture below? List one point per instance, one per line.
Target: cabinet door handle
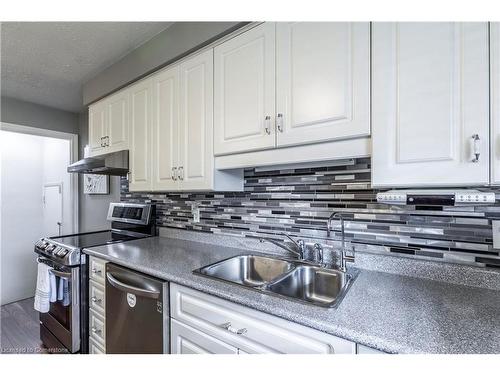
(174, 173)
(96, 331)
(227, 326)
(96, 300)
(96, 271)
(476, 145)
(181, 173)
(279, 122)
(267, 123)
(102, 144)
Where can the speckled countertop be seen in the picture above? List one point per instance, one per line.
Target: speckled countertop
(389, 312)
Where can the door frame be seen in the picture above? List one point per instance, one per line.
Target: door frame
(73, 144)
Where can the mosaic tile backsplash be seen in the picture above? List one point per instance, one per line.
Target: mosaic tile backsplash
(299, 201)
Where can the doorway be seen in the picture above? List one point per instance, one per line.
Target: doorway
(38, 199)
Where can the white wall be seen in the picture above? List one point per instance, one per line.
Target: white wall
(27, 161)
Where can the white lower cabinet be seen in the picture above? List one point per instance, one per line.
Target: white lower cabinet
(97, 306)
(188, 340)
(243, 328)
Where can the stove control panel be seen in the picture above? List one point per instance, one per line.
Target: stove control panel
(57, 252)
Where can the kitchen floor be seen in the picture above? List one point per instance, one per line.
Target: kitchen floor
(20, 328)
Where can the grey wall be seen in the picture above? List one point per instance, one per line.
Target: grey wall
(94, 208)
(175, 42)
(30, 114)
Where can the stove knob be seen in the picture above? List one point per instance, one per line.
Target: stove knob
(62, 253)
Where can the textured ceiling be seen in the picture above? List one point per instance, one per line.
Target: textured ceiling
(47, 62)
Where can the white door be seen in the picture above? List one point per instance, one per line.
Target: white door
(187, 340)
(430, 104)
(97, 127)
(195, 170)
(52, 210)
(140, 129)
(165, 135)
(322, 81)
(495, 101)
(117, 129)
(245, 91)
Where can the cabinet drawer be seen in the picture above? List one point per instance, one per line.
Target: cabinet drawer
(97, 270)
(95, 348)
(97, 329)
(187, 340)
(250, 330)
(97, 298)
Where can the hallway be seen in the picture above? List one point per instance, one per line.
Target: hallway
(19, 328)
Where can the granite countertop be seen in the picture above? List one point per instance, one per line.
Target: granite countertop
(393, 313)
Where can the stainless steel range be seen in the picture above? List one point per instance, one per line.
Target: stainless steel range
(64, 326)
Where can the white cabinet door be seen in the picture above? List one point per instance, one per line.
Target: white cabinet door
(245, 91)
(97, 127)
(495, 101)
(187, 340)
(140, 129)
(118, 116)
(195, 169)
(430, 99)
(322, 81)
(165, 137)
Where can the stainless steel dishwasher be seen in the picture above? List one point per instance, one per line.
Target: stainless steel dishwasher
(137, 312)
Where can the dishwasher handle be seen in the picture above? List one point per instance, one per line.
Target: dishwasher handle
(154, 294)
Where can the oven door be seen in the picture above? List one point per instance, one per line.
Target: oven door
(60, 326)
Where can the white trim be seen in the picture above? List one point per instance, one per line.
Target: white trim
(73, 138)
(61, 192)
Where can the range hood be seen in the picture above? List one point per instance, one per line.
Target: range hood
(113, 164)
(436, 197)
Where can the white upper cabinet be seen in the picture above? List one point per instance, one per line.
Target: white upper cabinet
(97, 127)
(196, 169)
(140, 135)
(117, 122)
(165, 134)
(495, 101)
(244, 91)
(108, 124)
(430, 103)
(322, 81)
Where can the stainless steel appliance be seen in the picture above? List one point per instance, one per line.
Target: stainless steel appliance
(436, 197)
(113, 164)
(64, 326)
(136, 312)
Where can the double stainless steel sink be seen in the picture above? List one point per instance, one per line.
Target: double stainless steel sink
(289, 278)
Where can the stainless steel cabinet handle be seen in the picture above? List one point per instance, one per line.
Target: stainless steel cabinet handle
(96, 300)
(476, 147)
(132, 289)
(174, 173)
(267, 122)
(96, 271)
(227, 326)
(96, 331)
(181, 173)
(279, 122)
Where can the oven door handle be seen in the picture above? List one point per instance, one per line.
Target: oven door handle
(62, 275)
(131, 289)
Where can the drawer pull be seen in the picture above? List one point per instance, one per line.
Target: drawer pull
(96, 271)
(96, 300)
(96, 331)
(227, 326)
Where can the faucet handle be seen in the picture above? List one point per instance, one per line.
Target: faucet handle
(350, 257)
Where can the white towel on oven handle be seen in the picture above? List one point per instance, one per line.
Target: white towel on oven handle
(66, 293)
(60, 288)
(42, 293)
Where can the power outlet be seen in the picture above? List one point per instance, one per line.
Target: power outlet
(195, 210)
(495, 226)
